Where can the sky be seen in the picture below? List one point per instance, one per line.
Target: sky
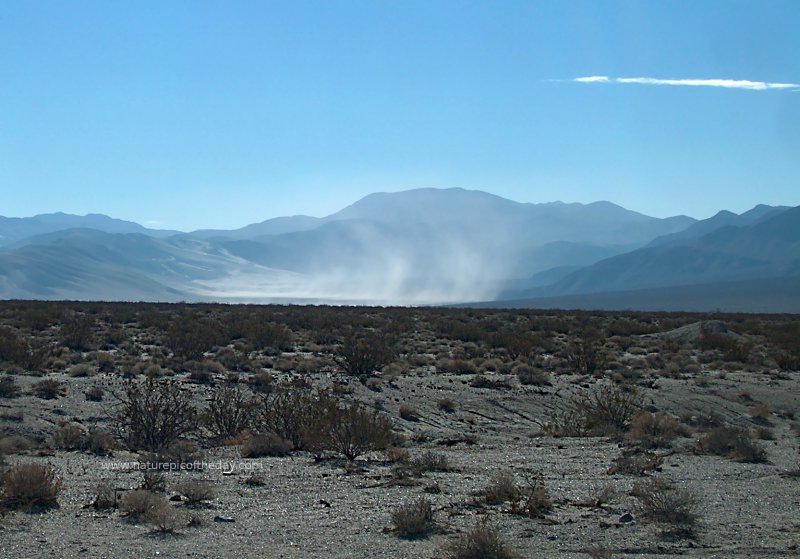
(196, 114)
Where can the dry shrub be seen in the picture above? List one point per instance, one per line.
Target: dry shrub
(481, 542)
(48, 389)
(8, 387)
(265, 444)
(70, 437)
(760, 412)
(105, 497)
(414, 520)
(361, 355)
(81, 370)
(230, 411)
(155, 414)
(396, 454)
(94, 394)
(635, 462)
(429, 461)
(533, 499)
(653, 430)
(733, 443)
(447, 405)
(661, 502)
(528, 376)
(196, 491)
(606, 410)
(30, 488)
(350, 430)
(408, 413)
(289, 413)
(598, 551)
(502, 487)
(143, 505)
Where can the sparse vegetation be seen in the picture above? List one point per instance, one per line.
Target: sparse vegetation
(154, 414)
(30, 488)
(733, 443)
(414, 520)
(481, 542)
(467, 397)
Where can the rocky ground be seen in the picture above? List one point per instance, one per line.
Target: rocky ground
(333, 507)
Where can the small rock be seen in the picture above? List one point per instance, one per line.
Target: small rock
(627, 517)
(223, 519)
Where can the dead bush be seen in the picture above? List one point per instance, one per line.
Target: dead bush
(605, 410)
(654, 430)
(533, 499)
(230, 411)
(531, 376)
(265, 444)
(351, 430)
(137, 503)
(635, 462)
(362, 355)
(414, 520)
(30, 488)
(196, 491)
(447, 405)
(290, 413)
(8, 387)
(661, 502)
(408, 413)
(94, 394)
(481, 542)
(733, 443)
(502, 487)
(70, 437)
(153, 509)
(154, 414)
(429, 461)
(48, 389)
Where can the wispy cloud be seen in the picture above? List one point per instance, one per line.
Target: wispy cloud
(730, 84)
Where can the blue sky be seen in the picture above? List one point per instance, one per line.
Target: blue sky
(218, 114)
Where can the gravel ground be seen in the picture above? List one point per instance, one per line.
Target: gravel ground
(339, 509)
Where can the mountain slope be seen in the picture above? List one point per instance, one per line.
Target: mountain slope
(418, 246)
(15, 229)
(769, 248)
(722, 219)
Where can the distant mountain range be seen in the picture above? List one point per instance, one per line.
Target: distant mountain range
(425, 246)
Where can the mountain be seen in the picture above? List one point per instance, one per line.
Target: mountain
(275, 226)
(773, 295)
(722, 219)
(15, 229)
(418, 246)
(769, 248)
